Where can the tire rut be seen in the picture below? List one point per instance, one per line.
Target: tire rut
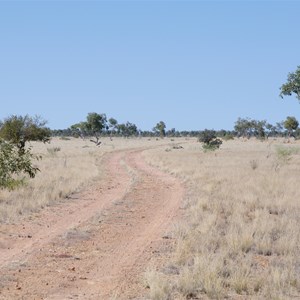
(102, 252)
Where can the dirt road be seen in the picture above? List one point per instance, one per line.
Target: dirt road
(98, 243)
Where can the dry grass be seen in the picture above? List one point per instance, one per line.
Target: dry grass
(241, 232)
(66, 167)
(240, 237)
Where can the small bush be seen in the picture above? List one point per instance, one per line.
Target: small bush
(209, 140)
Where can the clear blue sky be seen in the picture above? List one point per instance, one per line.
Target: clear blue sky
(194, 65)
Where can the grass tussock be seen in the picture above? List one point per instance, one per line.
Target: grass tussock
(241, 233)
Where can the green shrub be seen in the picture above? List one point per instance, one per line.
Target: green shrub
(13, 163)
(209, 140)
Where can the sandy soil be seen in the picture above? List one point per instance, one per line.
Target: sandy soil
(96, 244)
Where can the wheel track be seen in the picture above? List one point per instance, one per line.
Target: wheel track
(116, 229)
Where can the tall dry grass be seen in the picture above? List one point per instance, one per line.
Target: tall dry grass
(66, 167)
(240, 236)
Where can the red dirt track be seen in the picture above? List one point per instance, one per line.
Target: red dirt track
(98, 243)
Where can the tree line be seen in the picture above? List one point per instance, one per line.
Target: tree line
(16, 131)
(97, 125)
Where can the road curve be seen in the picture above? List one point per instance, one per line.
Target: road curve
(97, 245)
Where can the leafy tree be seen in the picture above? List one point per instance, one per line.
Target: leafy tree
(244, 127)
(259, 128)
(14, 163)
(112, 124)
(160, 128)
(209, 140)
(18, 130)
(128, 129)
(290, 124)
(79, 129)
(15, 158)
(93, 126)
(95, 123)
(278, 129)
(292, 86)
(248, 127)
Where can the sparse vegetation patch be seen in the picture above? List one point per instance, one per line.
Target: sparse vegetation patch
(239, 237)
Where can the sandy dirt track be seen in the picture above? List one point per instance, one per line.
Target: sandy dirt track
(97, 244)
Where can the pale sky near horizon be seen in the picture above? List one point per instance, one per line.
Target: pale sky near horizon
(192, 64)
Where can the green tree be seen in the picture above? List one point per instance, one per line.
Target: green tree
(160, 128)
(244, 127)
(95, 123)
(290, 124)
(260, 128)
(15, 158)
(248, 127)
(93, 126)
(78, 129)
(14, 163)
(128, 129)
(292, 86)
(18, 130)
(113, 125)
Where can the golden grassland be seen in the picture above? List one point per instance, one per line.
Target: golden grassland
(240, 237)
(66, 167)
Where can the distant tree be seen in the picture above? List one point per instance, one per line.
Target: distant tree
(244, 127)
(270, 129)
(171, 132)
(93, 126)
(248, 128)
(292, 86)
(160, 128)
(113, 125)
(209, 140)
(95, 123)
(128, 129)
(290, 124)
(259, 128)
(79, 130)
(279, 128)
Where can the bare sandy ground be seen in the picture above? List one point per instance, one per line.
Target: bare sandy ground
(96, 244)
